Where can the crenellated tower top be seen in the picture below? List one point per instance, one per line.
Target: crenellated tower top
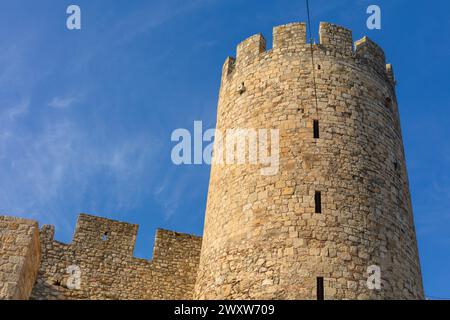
(291, 38)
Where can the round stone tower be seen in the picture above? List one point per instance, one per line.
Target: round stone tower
(338, 208)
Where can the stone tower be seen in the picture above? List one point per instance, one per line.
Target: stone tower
(340, 202)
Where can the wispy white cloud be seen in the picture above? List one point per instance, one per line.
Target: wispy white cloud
(152, 16)
(143, 20)
(169, 193)
(176, 190)
(61, 168)
(19, 109)
(53, 164)
(62, 102)
(12, 65)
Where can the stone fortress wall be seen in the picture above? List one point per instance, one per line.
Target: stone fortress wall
(102, 251)
(19, 257)
(265, 237)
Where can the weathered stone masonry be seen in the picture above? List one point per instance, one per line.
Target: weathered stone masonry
(19, 257)
(264, 236)
(102, 249)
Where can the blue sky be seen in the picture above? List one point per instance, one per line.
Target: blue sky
(86, 116)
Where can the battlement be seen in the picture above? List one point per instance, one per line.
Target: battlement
(92, 231)
(336, 38)
(102, 252)
(172, 250)
(390, 73)
(289, 36)
(250, 48)
(291, 39)
(371, 52)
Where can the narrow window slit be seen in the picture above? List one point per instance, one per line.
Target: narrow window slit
(320, 290)
(318, 201)
(388, 103)
(316, 129)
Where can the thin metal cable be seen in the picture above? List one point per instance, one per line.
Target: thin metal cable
(312, 58)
